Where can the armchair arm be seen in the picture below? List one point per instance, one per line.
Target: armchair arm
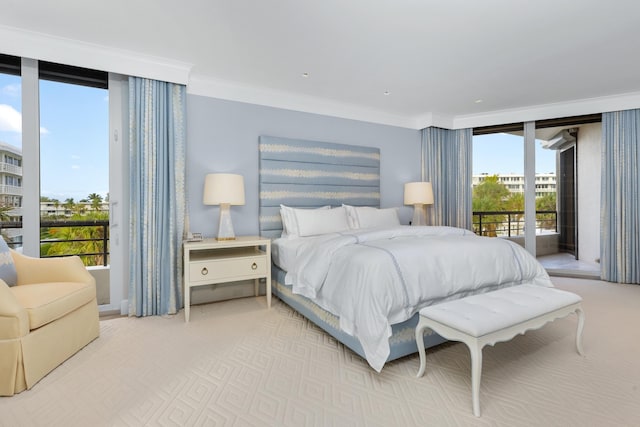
(14, 321)
(43, 270)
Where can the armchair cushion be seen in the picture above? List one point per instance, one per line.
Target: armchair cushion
(7, 267)
(46, 302)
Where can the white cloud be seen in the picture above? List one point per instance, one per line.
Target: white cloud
(75, 156)
(75, 166)
(10, 119)
(12, 90)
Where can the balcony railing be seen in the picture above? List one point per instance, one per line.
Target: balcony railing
(9, 168)
(12, 190)
(95, 251)
(511, 223)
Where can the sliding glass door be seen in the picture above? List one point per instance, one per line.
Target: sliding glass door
(539, 205)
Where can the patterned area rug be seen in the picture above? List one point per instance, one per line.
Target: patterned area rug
(238, 364)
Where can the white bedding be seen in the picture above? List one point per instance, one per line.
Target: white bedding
(283, 252)
(374, 278)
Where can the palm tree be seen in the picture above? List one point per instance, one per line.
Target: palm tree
(4, 213)
(75, 241)
(56, 205)
(96, 201)
(69, 205)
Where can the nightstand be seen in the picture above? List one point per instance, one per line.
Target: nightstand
(211, 261)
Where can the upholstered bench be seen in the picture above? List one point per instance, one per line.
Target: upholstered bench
(496, 316)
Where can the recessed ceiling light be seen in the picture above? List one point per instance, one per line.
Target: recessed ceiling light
(386, 92)
(478, 101)
(305, 75)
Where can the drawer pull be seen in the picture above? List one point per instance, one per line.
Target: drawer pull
(204, 271)
(254, 266)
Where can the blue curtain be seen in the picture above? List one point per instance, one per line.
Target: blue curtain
(447, 165)
(157, 195)
(620, 193)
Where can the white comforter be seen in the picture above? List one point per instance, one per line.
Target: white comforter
(373, 279)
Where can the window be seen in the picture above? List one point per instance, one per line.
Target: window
(497, 157)
(73, 155)
(74, 166)
(10, 150)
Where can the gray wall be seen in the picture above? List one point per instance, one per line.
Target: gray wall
(222, 136)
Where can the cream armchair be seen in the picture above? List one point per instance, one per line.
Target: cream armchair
(48, 316)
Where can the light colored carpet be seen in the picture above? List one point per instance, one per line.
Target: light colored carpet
(239, 364)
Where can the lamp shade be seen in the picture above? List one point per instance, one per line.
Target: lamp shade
(223, 188)
(418, 193)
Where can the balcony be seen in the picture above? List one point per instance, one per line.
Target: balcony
(92, 247)
(9, 168)
(11, 190)
(510, 225)
(87, 239)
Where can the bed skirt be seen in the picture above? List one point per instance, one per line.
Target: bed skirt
(402, 341)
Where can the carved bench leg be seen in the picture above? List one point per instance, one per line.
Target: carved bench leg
(420, 343)
(476, 373)
(580, 314)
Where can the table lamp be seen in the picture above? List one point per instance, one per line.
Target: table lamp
(418, 194)
(224, 189)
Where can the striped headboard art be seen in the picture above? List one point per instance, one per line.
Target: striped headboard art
(301, 173)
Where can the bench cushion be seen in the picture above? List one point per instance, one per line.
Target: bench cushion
(478, 315)
(46, 302)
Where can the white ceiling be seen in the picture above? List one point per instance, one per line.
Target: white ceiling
(524, 59)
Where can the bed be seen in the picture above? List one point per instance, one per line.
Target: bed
(373, 314)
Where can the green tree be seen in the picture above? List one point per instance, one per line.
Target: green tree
(79, 236)
(546, 203)
(96, 201)
(69, 205)
(490, 196)
(4, 213)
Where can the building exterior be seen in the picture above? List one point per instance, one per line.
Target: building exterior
(60, 209)
(11, 179)
(545, 182)
(11, 191)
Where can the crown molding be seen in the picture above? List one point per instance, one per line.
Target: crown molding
(232, 91)
(579, 107)
(29, 44)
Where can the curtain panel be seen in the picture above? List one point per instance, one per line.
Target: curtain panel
(620, 205)
(447, 160)
(157, 195)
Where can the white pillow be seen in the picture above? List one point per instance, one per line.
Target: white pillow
(368, 217)
(352, 216)
(289, 222)
(321, 221)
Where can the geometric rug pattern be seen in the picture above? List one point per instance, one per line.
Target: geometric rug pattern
(238, 364)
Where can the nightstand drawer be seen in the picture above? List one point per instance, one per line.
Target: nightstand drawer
(221, 270)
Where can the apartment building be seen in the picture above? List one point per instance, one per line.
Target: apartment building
(545, 182)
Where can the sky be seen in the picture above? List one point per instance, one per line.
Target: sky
(74, 136)
(502, 153)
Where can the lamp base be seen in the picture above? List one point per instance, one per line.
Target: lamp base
(225, 227)
(419, 215)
